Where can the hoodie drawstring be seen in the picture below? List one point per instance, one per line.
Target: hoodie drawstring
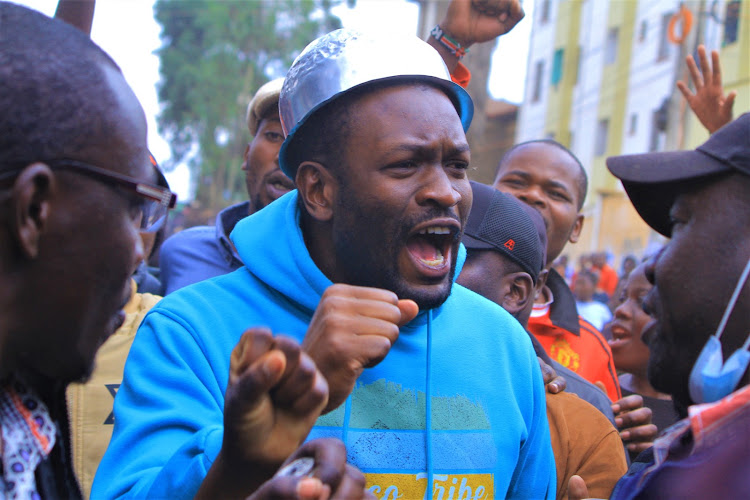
(347, 416)
(428, 406)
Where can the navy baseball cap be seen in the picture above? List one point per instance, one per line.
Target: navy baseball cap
(500, 222)
(653, 180)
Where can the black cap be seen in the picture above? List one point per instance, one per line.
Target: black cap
(500, 222)
(654, 180)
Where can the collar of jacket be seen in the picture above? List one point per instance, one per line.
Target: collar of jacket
(225, 222)
(562, 311)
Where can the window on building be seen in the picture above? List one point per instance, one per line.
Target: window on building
(536, 94)
(610, 50)
(658, 126)
(602, 130)
(643, 31)
(663, 52)
(557, 66)
(544, 11)
(633, 124)
(731, 20)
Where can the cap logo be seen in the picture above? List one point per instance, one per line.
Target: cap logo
(510, 244)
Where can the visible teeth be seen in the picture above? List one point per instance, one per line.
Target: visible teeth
(435, 230)
(437, 261)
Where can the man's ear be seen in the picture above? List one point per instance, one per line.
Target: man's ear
(30, 207)
(519, 290)
(317, 189)
(577, 227)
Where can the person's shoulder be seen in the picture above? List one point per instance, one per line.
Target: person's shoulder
(189, 235)
(585, 390)
(210, 311)
(192, 240)
(581, 412)
(215, 288)
(486, 322)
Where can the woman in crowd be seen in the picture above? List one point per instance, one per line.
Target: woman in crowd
(631, 354)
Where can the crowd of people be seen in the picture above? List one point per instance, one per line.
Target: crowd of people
(370, 323)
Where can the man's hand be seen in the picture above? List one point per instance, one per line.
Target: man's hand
(477, 21)
(552, 381)
(710, 105)
(633, 420)
(273, 397)
(353, 328)
(330, 477)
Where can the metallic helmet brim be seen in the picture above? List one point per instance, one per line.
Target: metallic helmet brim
(343, 60)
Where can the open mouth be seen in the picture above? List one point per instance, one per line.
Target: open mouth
(278, 184)
(620, 336)
(430, 246)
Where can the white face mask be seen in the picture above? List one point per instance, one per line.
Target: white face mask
(711, 379)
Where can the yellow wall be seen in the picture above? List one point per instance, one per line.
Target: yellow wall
(611, 222)
(613, 93)
(560, 101)
(616, 227)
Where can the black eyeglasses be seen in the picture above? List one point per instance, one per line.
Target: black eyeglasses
(156, 201)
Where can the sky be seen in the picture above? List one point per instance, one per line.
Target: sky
(127, 31)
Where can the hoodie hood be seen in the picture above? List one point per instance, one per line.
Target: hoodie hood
(290, 269)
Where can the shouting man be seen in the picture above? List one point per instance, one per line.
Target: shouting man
(358, 265)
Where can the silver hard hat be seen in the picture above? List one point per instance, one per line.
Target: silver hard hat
(345, 59)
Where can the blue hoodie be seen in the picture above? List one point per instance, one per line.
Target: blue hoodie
(458, 399)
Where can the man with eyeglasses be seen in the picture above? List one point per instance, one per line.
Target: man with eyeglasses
(76, 190)
(90, 402)
(76, 187)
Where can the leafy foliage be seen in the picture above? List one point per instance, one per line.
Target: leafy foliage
(214, 56)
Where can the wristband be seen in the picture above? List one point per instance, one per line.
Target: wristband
(453, 46)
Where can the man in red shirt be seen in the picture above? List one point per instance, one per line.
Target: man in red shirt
(547, 176)
(607, 276)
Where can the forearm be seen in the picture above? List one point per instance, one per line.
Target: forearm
(450, 59)
(78, 13)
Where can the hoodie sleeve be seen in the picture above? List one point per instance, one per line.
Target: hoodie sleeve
(168, 416)
(535, 473)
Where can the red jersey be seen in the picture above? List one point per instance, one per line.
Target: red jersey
(574, 342)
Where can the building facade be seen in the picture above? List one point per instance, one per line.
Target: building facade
(601, 80)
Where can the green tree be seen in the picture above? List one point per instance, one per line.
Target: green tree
(214, 56)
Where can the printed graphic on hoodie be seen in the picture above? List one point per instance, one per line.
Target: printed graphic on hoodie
(384, 428)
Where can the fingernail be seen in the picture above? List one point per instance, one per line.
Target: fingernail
(309, 487)
(272, 366)
(618, 422)
(625, 435)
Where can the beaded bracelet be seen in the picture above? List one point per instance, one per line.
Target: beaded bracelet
(453, 46)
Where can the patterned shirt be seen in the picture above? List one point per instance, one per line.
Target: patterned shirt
(28, 436)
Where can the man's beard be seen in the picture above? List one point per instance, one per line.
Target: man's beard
(373, 262)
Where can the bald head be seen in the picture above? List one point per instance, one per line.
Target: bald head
(54, 93)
